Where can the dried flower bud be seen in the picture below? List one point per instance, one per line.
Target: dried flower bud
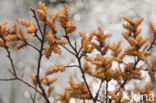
(116, 49)
(42, 7)
(24, 22)
(51, 24)
(12, 38)
(138, 31)
(57, 50)
(153, 29)
(132, 41)
(32, 29)
(139, 21)
(77, 90)
(20, 46)
(23, 36)
(143, 54)
(63, 97)
(61, 42)
(50, 38)
(129, 27)
(63, 17)
(55, 69)
(66, 11)
(141, 41)
(47, 81)
(70, 27)
(15, 28)
(41, 14)
(83, 36)
(56, 15)
(129, 20)
(48, 52)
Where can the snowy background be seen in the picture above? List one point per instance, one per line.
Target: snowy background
(87, 15)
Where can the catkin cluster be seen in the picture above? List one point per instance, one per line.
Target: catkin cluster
(8, 35)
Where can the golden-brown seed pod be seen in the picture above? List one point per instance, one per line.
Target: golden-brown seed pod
(83, 36)
(24, 22)
(139, 21)
(47, 81)
(43, 7)
(15, 27)
(66, 11)
(129, 20)
(51, 24)
(132, 41)
(153, 29)
(129, 27)
(63, 97)
(63, 16)
(20, 46)
(41, 14)
(50, 81)
(55, 69)
(32, 29)
(23, 36)
(56, 15)
(50, 38)
(57, 50)
(70, 27)
(48, 52)
(61, 42)
(12, 38)
(141, 41)
(138, 31)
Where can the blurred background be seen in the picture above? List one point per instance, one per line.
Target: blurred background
(87, 15)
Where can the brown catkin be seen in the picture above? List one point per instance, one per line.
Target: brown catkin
(24, 22)
(41, 14)
(23, 36)
(12, 38)
(20, 46)
(48, 52)
(32, 29)
(15, 27)
(50, 38)
(43, 7)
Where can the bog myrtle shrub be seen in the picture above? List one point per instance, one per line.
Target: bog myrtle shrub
(100, 67)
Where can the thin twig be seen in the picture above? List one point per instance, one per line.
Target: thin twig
(20, 79)
(37, 36)
(35, 17)
(72, 66)
(97, 94)
(11, 61)
(67, 37)
(68, 50)
(10, 79)
(29, 85)
(79, 62)
(106, 91)
(39, 62)
(31, 45)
